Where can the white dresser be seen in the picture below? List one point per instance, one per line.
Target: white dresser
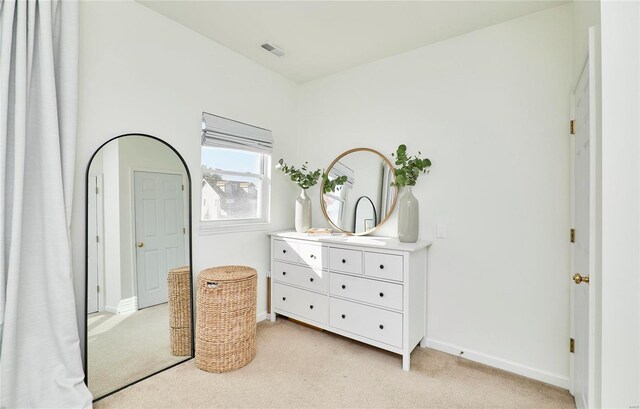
(371, 289)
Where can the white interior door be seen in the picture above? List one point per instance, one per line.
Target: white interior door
(583, 247)
(93, 242)
(159, 233)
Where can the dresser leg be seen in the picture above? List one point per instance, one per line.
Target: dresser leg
(406, 361)
(272, 317)
(423, 342)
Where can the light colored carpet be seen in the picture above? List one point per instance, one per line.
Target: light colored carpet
(125, 348)
(298, 367)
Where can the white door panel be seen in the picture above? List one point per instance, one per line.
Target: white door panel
(584, 225)
(159, 233)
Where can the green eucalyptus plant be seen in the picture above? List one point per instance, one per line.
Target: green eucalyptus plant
(410, 167)
(306, 178)
(331, 185)
(302, 176)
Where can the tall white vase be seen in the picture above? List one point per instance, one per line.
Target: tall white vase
(408, 216)
(303, 212)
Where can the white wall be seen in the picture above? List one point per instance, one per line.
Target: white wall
(491, 110)
(143, 73)
(586, 14)
(620, 280)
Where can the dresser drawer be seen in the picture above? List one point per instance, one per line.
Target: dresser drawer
(369, 322)
(311, 278)
(286, 251)
(312, 255)
(349, 261)
(387, 266)
(303, 303)
(370, 291)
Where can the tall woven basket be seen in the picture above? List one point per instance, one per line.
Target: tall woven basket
(179, 286)
(226, 318)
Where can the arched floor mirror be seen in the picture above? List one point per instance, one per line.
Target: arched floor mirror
(138, 262)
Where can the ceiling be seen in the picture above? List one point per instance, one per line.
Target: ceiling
(324, 37)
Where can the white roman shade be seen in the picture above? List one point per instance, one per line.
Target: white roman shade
(227, 133)
(340, 169)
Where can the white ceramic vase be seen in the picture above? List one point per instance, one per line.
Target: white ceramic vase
(408, 216)
(303, 212)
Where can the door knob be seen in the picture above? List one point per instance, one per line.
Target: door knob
(140, 244)
(577, 278)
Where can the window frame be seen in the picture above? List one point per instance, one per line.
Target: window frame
(263, 222)
(342, 198)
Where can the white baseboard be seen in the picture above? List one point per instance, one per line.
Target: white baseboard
(261, 316)
(111, 309)
(128, 305)
(510, 366)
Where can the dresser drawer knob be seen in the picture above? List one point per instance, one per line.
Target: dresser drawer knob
(284, 251)
(311, 279)
(284, 273)
(381, 294)
(284, 298)
(381, 326)
(312, 256)
(311, 306)
(344, 286)
(381, 266)
(344, 261)
(344, 316)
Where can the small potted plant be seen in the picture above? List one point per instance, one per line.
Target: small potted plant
(305, 179)
(407, 173)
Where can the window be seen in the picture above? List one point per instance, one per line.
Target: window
(235, 163)
(335, 200)
(334, 204)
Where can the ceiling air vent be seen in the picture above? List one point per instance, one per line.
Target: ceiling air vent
(273, 49)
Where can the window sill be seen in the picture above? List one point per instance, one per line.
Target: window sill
(210, 228)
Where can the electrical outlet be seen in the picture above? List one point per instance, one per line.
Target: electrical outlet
(441, 231)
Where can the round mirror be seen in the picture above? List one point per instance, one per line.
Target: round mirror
(360, 194)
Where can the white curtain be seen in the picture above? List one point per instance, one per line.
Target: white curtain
(40, 363)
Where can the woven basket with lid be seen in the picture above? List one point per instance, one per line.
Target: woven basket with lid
(179, 286)
(226, 318)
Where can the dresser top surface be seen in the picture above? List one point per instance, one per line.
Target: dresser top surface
(389, 243)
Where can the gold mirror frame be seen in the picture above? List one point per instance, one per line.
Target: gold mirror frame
(391, 208)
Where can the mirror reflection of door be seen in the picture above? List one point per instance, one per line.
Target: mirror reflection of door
(137, 231)
(94, 217)
(159, 233)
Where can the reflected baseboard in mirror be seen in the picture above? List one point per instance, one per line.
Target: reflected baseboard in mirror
(367, 198)
(138, 207)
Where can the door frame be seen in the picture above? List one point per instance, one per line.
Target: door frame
(100, 233)
(590, 65)
(132, 227)
(189, 213)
